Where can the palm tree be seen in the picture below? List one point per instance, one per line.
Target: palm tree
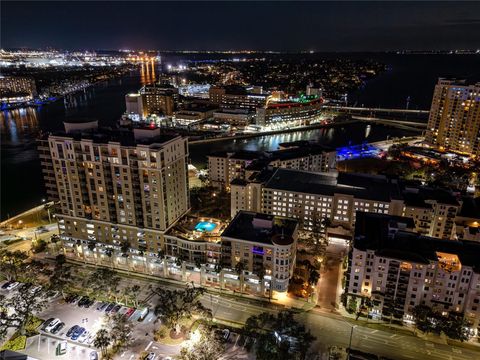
(102, 341)
(92, 246)
(135, 291)
(109, 253)
(239, 267)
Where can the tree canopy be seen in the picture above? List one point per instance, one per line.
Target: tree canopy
(174, 305)
(279, 336)
(209, 346)
(19, 308)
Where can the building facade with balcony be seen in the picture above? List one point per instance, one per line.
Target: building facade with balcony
(399, 269)
(454, 122)
(237, 97)
(262, 244)
(118, 187)
(292, 112)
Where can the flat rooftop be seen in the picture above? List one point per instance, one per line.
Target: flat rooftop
(123, 136)
(373, 232)
(362, 186)
(261, 228)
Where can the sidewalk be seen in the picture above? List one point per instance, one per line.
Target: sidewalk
(209, 290)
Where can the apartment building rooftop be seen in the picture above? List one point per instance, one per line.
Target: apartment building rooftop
(261, 228)
(417, 196)
(140, 135)
(377, 232)
(363, 186)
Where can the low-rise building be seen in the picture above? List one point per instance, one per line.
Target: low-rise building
(467, 221)
(17, 89)
(313, 197)
(291, 112)
(194, 113)
(399, 269)
(433, 210)
(263, 244)
(235, 117)
(237, 97)
(224, 167)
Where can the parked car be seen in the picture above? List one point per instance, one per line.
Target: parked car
(75, 299)
(101, 306)
(77, 333)
(5, 285)
(89, 303)
(72, 299)
(150, 356)
(109, 307)
(129, 312)
(225, 334)
(122, 310)
(52, 324)
(83, 300)
(84, 336)
(46, 323)
(61, 348)
(72, 330)
(143, 314)
(93, 355)
(116, 308)
(13, 285)
(34, 289)
(57, 328)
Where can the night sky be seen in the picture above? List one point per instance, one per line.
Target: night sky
(280, 26)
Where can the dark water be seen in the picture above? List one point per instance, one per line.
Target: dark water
(21, 181)
(335, 137)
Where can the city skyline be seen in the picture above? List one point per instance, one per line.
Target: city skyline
(282, 26)
(300, 181)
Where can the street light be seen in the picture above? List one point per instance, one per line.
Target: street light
(350, 341)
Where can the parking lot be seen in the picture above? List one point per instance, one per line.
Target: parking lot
(44, 346)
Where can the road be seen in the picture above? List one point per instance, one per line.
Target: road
(331, 329)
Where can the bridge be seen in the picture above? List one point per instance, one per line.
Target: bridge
(401, 124)
(371, 110)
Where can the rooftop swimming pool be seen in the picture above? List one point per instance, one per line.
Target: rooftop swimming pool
(204, 226)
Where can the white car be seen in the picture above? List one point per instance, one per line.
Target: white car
(52, 324)
(91, 338)
(35, 289)
(151, 356)
(83, 337)
(13, 285)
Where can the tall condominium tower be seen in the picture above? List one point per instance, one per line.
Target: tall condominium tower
(117, 186)
(454, 122)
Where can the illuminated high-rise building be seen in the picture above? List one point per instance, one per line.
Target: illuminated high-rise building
(454, 122)
(116, 186)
